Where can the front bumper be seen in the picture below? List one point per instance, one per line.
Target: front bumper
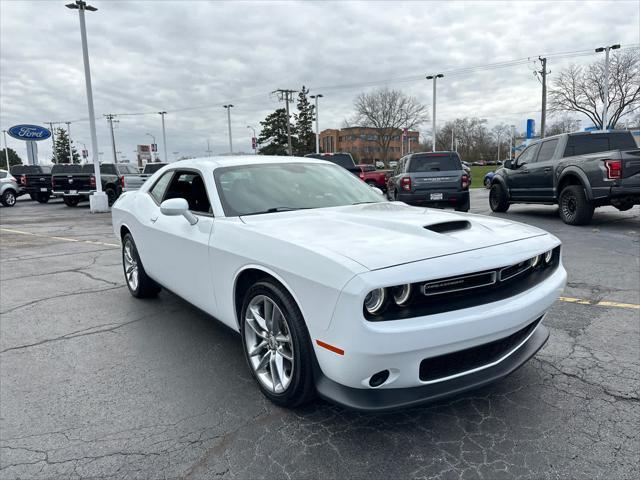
(376, 400)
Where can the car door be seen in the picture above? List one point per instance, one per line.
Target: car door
(519, 181)
(541, 171)
(179, 251)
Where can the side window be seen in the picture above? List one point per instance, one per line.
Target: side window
(547, 149)
(3, 174)
(190, 186)
(528, 155)
(158, 190)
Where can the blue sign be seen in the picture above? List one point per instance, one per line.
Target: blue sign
(29, 132)
(531, 127)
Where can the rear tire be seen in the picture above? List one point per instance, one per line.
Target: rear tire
(43, 197)
(112, 196)
(464, 207)
(292, 385)
(575, 208)
(498, 199)
(71, 201)
(138, 282)
(8, 198)
(33, 196)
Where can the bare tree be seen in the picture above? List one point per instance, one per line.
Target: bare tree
(563, 123)
(581, 89)
(388, 111)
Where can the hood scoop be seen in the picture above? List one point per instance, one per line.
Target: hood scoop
(447, 227)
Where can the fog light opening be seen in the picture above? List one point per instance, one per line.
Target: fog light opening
(379, 378)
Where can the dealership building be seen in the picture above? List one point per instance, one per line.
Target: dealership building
(363, 143)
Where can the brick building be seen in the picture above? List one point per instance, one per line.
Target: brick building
(362, 143)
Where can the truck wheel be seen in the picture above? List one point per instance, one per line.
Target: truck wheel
(498, 199)
(138, 282)
(464, 207)
(276, 344)
(112, 196)
(487, 183)
(71, 201)
(575, 209)
(8, 198)
(43, 197)
(33, 196)
(371, 183)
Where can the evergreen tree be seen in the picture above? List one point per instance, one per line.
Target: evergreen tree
(306, 138)
(14, 158)
(273, 136)
(61, 151)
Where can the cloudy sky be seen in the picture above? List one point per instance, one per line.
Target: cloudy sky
(190, 58)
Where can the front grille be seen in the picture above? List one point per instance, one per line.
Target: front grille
(443, 366)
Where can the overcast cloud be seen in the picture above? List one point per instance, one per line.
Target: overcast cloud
(148, 56)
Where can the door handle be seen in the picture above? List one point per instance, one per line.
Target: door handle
(153, 219)
(547, 170)
(524, 170)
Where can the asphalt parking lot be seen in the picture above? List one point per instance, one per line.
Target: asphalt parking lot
(94, 383)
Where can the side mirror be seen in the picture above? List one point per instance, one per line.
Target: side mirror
(508, 164)
(377, 190)
(178, 206)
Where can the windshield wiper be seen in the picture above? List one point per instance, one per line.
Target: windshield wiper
(277, 209)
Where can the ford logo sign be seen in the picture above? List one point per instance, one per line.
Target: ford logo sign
(29, 132)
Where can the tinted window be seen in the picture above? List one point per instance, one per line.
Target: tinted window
(127, 169)
(594, 143)
(434, 163)
(67, 168)
(157, 192)
(528, 155)
(343, 159)
(547, 149)
(153, 167)
(3, 174)
(367, 168)
(190, 186)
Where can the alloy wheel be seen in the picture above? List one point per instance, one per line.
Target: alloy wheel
(269, 346)
(130, 266)
(10, 198)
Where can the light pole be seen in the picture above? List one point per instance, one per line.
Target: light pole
(6, 150)
(164, 137)
(606, 82)
(153, 139)
(316, 97)
(98, 201)
(69, 138)
(228, 107)
(434, 78)
(254, 144)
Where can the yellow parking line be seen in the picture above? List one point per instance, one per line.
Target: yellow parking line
(601, 303)
(64, 239)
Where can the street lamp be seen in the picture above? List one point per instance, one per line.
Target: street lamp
(153, 139)
(164, 137)
(228, 107)
(254, 145)
(316, 97)
(98, 201)
(434, 78)
(606, 81)
(6, 150)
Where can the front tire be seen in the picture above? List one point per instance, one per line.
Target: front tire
(575, 208)
(138, 282)
(498, 199)
(276, 344)
(8, 198)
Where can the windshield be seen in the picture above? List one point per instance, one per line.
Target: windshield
(434, 163)
(267, 188)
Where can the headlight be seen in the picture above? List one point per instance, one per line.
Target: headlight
(548, 256)
(401, 294)
(375, 300)
(535, 261)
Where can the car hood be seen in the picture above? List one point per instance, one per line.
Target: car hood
(385, 234)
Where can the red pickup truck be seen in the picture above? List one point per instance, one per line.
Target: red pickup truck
(375, 178)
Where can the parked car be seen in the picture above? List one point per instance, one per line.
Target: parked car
(373, 177)
(487, 179)
(8, 189)
(344, 159)
(294, 255)
(76, 182)
(379, 164)
(578, 171)
(34, 180)
(393, 163)
(434, 179)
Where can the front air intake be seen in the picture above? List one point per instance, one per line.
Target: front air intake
(446, 227)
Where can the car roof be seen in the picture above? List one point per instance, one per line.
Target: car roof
(231, 161)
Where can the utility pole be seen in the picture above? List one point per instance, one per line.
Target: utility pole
(208, 151)
(316, 97)
(287, 96)
(98, 200)
(434, 78)
(6, 150)
(543, 114)
(110, 118)
(69, 136)
(605, 99)
(229, 107)
(164, 137)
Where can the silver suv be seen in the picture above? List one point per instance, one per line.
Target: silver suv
(8, 189)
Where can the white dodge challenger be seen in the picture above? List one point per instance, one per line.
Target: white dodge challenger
(335, 291)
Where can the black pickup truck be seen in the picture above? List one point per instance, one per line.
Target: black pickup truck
(577, 171)
(34, 180)
(76, 182)
(344, 159)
